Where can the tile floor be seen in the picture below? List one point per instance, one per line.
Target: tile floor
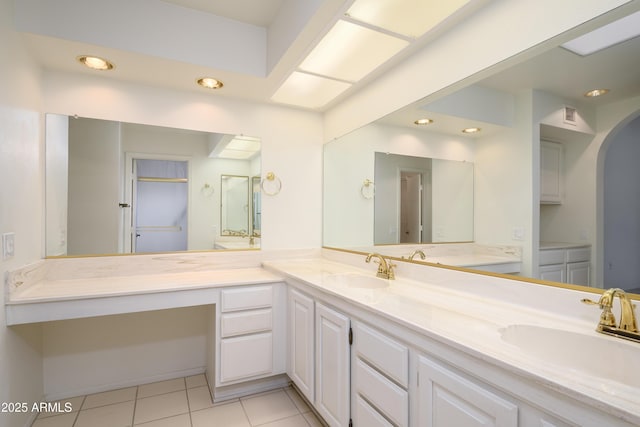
(182, 402)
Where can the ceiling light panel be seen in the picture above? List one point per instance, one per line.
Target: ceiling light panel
(411, 18)
(349, 52)
(308, 90)
(609, 35)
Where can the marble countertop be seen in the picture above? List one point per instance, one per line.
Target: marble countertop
(476, 324)
(562, 245)
(82, 288)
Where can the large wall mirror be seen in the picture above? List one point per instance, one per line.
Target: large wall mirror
(115, 187)
(511, 111)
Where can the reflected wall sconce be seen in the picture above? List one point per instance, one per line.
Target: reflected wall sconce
(207, 190)
(271, 184)
(368, 189)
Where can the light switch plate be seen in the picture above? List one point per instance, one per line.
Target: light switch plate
(8, 245)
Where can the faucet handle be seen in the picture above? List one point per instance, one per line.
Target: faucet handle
(606, 318)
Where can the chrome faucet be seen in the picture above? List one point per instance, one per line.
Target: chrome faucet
(385, 267)
(417, 252)
(627, 328)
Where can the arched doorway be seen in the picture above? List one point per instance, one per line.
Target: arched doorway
(620, 200)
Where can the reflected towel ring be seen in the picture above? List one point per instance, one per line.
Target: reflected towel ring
(272, 182)
(368, 189)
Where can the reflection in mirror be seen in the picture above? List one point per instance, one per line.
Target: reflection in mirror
(114, 187)
(363, 187)
(256, 205)
(234, 205)
(563, 238)
(422, 200)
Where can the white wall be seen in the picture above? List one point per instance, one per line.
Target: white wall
(21, 209)
(504, 177)
(102, 353)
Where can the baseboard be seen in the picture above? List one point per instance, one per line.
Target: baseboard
(124, 384)
(221, 394)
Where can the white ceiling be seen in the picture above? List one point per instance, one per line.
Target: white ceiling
(152, 43)
(556, 71)
(255, 12)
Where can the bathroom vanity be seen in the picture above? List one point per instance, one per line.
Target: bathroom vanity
(433, 347)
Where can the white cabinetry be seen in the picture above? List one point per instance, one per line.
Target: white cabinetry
(566, 264)
(249, 323)
(301, 367)
(380, 379)
(319, 357)
(447, 398)
(551, 174)
(332, 366)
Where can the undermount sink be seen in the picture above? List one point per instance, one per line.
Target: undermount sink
(358, 280)
(595, 356)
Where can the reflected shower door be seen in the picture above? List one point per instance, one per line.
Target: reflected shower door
(160, 205)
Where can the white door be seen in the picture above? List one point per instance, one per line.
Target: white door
(332, 399)
(447, 399)
(301, 339)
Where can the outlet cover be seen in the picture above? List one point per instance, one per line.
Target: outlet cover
(8, 245)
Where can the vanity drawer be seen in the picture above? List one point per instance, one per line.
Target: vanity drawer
(385, 354)
(389, 398)
(246, 298)
(246, 357)
(578, 254)
(246, 322)
(552, 256)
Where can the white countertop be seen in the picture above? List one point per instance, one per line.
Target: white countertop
(459, 309)
(561, 245)
(474, 324)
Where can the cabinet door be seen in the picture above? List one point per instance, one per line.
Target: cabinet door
(332, 366)
(578, 273)
(553, 273)
(551, 174)
(447, 399)
(301, 341)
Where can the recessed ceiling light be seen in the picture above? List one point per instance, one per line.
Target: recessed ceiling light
(210, 83)
(471, 130)
(596, 92)
(95, 62)
(423, 121)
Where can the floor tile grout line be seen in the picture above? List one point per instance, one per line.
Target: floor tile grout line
(75, 419)
(135, 405)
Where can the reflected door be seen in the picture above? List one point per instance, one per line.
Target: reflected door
(410, 207)
(160, 205)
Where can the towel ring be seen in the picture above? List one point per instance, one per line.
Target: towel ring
(207, 190)
(272, 181)
(368, 189)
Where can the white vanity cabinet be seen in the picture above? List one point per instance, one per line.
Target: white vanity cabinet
(301, 367)
(319, 353)
(448, 398)
(250, 333)
(566, 264)
(379, 379)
